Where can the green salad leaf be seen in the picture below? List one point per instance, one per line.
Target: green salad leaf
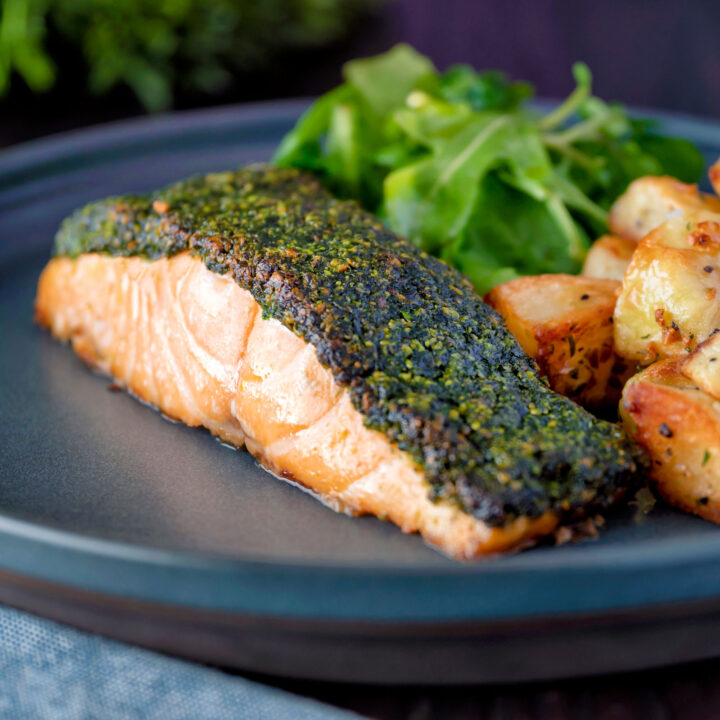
(465, 166)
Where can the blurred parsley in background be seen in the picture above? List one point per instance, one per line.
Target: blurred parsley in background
(160, 47)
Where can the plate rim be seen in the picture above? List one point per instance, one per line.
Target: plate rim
(23, 163)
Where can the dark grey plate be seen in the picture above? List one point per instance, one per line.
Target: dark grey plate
(113, 519)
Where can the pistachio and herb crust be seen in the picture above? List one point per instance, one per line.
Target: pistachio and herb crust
(425, 360)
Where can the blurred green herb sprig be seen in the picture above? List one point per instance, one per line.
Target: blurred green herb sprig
(159, 46)
(461, 164)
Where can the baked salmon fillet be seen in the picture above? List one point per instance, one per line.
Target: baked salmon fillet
(255, 304)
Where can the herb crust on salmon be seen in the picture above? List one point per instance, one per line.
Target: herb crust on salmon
(425, 362)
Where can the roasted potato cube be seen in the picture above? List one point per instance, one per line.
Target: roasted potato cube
(650, 201)
(609, 257)
(679, 426)
(565, 323)
(669, 301)
(703, 366)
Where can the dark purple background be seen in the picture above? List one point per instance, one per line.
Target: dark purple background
(662, 54)
(659, 53)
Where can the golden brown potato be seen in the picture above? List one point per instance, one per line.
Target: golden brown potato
(565, 323)
(714, 175)
(609, 257)
(650, 201)
(679, 426)
(703, 366)
(669, 301)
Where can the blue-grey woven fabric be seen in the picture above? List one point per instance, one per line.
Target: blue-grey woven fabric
(52, 672)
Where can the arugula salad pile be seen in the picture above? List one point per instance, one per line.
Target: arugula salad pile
(462, 164)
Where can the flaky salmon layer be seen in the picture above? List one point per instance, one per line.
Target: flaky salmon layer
(195, 345)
